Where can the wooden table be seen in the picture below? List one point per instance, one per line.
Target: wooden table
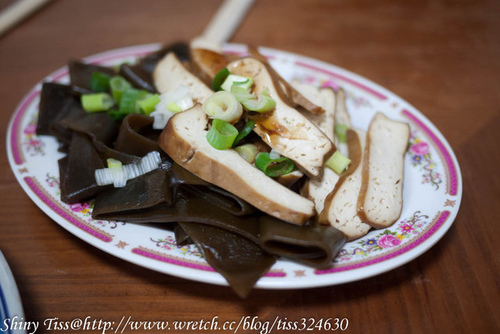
(442, 57)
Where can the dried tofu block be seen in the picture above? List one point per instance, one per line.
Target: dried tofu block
(340, 206)
(380, 199)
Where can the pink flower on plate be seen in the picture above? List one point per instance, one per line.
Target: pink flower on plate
(406, 228)
(420, 148)
(80, 207)
(388, 240)
(30, 129)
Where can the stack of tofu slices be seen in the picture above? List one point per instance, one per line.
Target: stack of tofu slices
(301, 127)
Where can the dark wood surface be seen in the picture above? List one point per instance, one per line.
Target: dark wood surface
(441, 56)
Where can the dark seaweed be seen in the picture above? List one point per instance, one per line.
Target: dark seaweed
(76, 171)
(53, 99)
(80, 75)
(239, 260)
(137, 137)
(71, 110)
(140, 75)
(99, 126)
(181, 50)
(312, 245)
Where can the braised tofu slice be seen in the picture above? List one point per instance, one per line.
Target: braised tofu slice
(207, 63)
(341, 114)
(317, 189)
(184, 140)
(340, 210)
(292, 96)
(326, 99)
(171, 74)
(285, 129)
(380, 199)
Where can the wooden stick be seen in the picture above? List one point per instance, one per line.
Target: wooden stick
(18, 11)
(226, 20)
(223, 24)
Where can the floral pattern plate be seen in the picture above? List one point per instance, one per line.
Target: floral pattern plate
(432, 185)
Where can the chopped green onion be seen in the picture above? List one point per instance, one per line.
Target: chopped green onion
(262, 104)
(243, 82)
(144, 95)
(273, 167)
(118, 85)
(219, 79)
(99, 82)
(221, 135)
(338, 162)
(340, 132)
(147, 105)
(242, 94)
(224, 106)
(247, 128)
(174, 107)
(247, 151)
(171, 102)
(117, 115)
(113, 163)
(130, 97)
(247, 84)
(177, 100)
(97, 102)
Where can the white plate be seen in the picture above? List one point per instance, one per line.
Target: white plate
(432, 185)
(12, 319)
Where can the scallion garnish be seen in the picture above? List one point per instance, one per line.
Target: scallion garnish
(118, 85)
(144, 95)
(263, 103)
(113, 163)
(99, 82)
(273, 167)
(223, 105)
(96, 102)
(245, 131)
(242, 94)
(147, 105)
(243, 82)
(130, 97)
(117, 115)
(338, 162)
(174, 107)
(340, 132)
(221, 134)
(171, 102)
(219, 79)
(247, 151)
